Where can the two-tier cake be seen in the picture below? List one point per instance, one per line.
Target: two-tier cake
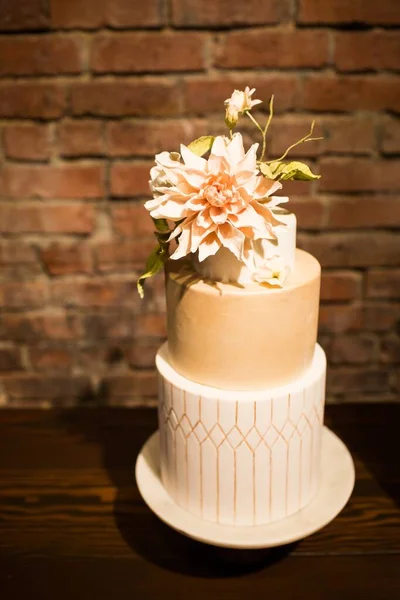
(241, 377)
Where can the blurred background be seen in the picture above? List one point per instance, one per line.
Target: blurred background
(90, 91)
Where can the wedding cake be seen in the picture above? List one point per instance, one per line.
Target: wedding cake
(241, 377)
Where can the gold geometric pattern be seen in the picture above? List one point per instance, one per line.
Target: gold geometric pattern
(242, 462)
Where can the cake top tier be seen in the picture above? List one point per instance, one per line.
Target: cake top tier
(215, 195)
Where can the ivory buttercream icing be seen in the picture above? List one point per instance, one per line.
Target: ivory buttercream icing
(240, 458)
(242, 336)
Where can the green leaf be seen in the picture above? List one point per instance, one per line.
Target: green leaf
(161, 225)
(266, 170)
(154, 264)
(201, 145)
(288, 171)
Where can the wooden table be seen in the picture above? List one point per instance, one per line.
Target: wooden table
(73, 525)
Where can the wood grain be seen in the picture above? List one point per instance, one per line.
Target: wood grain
(73, 524)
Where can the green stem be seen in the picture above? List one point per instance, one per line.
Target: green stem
(271, 113)
(255, 122)
(262, 132)
(306, 138)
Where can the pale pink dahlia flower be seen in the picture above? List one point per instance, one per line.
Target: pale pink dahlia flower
(222, 201)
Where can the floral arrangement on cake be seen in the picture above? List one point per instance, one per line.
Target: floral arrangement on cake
(213, 194)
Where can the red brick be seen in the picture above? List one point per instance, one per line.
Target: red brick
(45, 181)
(299, 188)
(363, 51)
(347, 135)
(383, 283)
(18, 261)
(130, 179)
(10, 359)
(341, 285)
(57, 389)
(132, 385)
(390, 136)
(65, 218)
(385, 12)
(147, 138)
(391, 348)
(63, 259)
(286, 130)
(50, 359)
(350, 92)
(122, 256)
(92, 14)
(354, 349)
(27, 142)
(31, 100)
(150, 325)
(27, 294)
(382, 316)
(350, 379)
(99, 358)
(15, 253)
(339, 318)
(309, 211)
(33, 326)
(112, 325)
(131, 219)
(82, 137)
(138, 97)
(351, 212)
(359, 174)
(341, 135)
(27, 15)
(142, 353)
(191, 13)
(41, 55)
(99, 292)
(353, 249)
(206, 95)
(123, 52)
(276, 48)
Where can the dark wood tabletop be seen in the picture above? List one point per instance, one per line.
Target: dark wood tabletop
(73, 524)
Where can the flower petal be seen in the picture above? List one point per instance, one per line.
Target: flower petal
(248, 162)
(219, 147)
(170, 210)
(209, 246)
(231, 238)
(235, 148)
(183, 244)
(193, 161)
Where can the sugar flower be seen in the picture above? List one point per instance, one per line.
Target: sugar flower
(274, 271)
(237, 104)
(222, 201)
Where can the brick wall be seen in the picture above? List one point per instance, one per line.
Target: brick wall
(89, 91)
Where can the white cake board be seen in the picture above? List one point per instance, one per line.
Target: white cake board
(337, 482)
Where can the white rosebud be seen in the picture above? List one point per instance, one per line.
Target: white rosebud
(237, 104)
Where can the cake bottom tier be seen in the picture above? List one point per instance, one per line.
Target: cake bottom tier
(244, 458)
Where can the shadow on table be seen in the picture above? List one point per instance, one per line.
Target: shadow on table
(370, 431)
(121, 434)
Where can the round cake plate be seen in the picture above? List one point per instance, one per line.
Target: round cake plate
(336, 486)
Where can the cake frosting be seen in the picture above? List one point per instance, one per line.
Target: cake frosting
(241, 377)
(236, 458)
(242, 337)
